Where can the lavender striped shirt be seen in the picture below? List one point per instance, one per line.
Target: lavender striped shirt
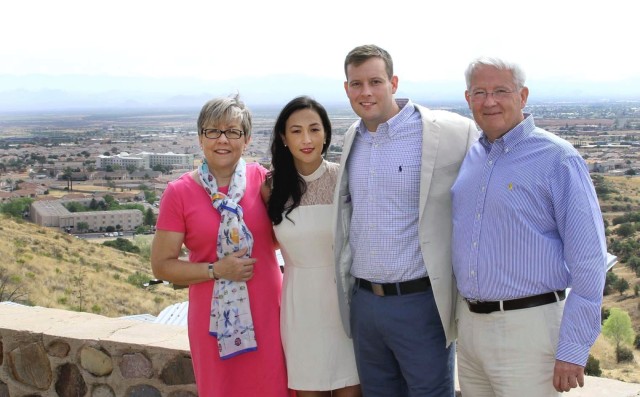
(526, 221)
(384, 183)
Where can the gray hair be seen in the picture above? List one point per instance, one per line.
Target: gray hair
(225, 110)
(515, 69)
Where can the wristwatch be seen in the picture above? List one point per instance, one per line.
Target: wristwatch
(212, 274)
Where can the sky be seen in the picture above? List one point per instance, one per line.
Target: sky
(262, 42)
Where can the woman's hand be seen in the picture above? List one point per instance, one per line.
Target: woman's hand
(234, 267)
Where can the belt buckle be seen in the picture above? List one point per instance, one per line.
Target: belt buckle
(377, 289)
(471, 302)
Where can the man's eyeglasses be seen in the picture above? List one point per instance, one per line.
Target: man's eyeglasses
(498, 95)
(214, 133)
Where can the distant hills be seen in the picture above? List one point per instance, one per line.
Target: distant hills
(66, 92)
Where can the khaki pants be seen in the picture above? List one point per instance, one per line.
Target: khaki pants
(510, 353)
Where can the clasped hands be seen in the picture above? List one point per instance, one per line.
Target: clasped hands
(234, 267)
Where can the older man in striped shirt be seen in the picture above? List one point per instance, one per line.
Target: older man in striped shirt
(526, 226)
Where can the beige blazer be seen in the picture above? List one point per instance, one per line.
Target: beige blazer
(447, 137)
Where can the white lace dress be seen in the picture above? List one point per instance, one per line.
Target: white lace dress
(319, 354)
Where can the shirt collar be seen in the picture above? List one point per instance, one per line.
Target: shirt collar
(393, 124)
(514, 136)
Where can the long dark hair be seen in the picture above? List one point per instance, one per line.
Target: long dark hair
(286, 183)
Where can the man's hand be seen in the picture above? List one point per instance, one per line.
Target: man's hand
(567, 376)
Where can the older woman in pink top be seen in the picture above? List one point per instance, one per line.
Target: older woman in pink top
(216, 211)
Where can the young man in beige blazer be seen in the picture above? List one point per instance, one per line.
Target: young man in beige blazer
(396, 289)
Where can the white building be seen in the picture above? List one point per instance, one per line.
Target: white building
(145, 160)
(123, 160)
(51, 213)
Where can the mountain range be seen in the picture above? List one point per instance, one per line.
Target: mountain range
(38, 92)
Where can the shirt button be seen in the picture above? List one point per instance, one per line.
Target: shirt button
(483, 188)
(478, 216)
(473, 273)
(475, 243)
(506, 150)
(490, 162)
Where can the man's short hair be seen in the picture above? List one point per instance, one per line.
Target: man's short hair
(361, 54)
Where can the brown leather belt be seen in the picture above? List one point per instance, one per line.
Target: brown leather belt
(401, 288)
(485, 307)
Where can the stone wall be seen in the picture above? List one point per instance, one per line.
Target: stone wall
(50, 352)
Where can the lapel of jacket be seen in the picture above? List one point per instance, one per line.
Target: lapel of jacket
(430, 141)
(349, 137)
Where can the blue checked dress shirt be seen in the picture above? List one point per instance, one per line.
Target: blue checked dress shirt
(384, 183)
(526, 221)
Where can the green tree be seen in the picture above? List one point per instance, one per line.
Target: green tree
(93, 205)
(617, 328)
(149, 218)
(16, 208)
(82, 226)
(110, 201)
(161, 168)
(75, 206)
(66, 175)
(141, 229)
(150, 196)
(621, 285)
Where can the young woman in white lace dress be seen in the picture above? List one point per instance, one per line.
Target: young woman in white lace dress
(319, 355)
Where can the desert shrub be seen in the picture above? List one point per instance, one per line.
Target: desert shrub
(623, 355)
(633, 262)
(138, 279)
(593, 367)
(625, 229)
(636, 342)
(122, 245)
(604, 314)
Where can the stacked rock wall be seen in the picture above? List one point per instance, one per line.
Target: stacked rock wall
(49, 352)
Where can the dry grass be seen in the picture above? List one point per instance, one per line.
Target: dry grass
(604, 350)
(628, 195)
(59, 271)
